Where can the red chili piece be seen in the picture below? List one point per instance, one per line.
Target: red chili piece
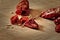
(14, 19)
(31, 24)
(57, 28)
(51, 14)
(57, 21)
(23, 8)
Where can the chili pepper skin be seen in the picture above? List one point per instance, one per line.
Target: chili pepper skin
(14, 19)
(51, 14)
(31, 24)
(57, 28)
(57, 21)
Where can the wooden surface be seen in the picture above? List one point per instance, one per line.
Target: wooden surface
(14, 32)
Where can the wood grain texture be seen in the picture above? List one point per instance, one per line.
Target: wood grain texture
(14, 32)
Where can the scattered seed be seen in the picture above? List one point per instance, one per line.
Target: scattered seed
(12, 12)
(8, 25)
(12, 27)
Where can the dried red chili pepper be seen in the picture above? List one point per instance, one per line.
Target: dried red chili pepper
(23, 19)
(51, 14)
(57, 28)
(14, 19)
(57, 21)
(31, 24)
(23, 8)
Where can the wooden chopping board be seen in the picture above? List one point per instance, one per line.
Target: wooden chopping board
(14, 32)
